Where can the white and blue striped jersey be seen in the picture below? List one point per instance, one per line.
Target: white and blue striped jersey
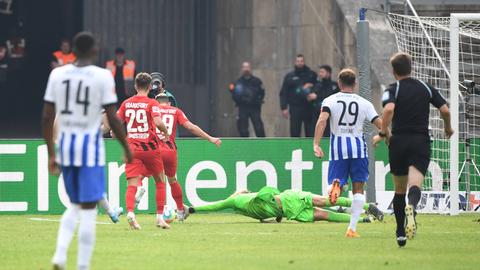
(348, 112)
(79, 95)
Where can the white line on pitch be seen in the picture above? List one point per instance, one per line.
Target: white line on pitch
(57, 220)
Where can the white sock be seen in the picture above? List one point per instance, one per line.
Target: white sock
(357, 209)
(103, 203)
(86, 237)
(65, 234)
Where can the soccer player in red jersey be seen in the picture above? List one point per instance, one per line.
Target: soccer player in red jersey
(142, 118)
(171, 117)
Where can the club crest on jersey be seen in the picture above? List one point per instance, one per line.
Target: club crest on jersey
(386, 96)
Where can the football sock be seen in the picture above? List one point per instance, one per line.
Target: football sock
(341, 201)
(337, 217)
(218, 206)
(160, 196)
(130, 198)
(414, 194)
(65, 234)
(177, 194)
(86, 237)
(357, 208)
(103, 203)
(399, 210)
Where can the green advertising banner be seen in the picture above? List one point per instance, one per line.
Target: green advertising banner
(205, 172)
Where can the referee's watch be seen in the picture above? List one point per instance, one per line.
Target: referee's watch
(382, 135)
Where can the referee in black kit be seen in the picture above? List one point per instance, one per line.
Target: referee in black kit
(406, 105)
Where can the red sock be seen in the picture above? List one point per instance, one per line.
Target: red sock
(130, 198)
(160, 196)
(177, 194)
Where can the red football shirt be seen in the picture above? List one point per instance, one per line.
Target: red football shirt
(171, 116)
(138, 113)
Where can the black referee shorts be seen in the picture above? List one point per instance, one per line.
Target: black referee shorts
(409, 150)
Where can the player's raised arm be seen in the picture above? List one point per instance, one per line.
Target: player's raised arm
(118, 129)
(197, 131)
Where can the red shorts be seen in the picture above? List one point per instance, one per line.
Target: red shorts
(150, 161)
(169, 158)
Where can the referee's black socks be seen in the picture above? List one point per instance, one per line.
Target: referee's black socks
(399, 210)
(414, 194)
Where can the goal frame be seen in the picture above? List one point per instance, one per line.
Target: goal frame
(455, 19)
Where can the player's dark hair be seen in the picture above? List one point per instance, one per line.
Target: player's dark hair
(300, 55)
(83, 44)
(65, 40)
(119, 50)
(347, 77)
(401, 63)
(142, 80)
(326, 67)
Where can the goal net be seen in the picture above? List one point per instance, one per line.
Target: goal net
(427, 40)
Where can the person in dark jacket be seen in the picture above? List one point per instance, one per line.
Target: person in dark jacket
(293, 97)
(248, 94)
(323, 88)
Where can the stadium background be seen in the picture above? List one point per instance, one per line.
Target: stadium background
(200, 45)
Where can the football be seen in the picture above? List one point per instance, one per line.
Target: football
(169, 215)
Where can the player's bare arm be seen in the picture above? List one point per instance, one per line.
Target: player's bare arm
(48, 118)
(378, 124)
(447, 125)
(161, 126)
(319, 130)
(105, 125)
(119, 130)
(197, 131)
(387, 117)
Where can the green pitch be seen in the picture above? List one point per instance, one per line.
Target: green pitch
(226, 241)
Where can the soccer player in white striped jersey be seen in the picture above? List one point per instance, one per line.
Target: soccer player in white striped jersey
(79, 92)
(347, 112)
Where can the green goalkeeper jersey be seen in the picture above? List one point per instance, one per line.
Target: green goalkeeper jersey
(261, 205)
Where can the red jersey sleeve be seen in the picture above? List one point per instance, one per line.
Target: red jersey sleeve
(181, 117)
(154, 108)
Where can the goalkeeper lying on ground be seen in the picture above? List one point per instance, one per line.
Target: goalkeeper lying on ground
(294, 205)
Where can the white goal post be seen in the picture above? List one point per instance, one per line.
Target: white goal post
(455, 19)
(446, 54)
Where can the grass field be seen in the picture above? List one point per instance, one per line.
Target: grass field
(227, 241)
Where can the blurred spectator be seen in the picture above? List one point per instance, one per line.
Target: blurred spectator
(293, 97)
(16, 51)
(3, 66)
(64, 55)
(248, 94)
(124, 79)
(323, 88)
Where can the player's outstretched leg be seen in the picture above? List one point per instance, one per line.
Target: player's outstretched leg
(113, 213)
(160, 197)
(370, 208)
(177, 195)
(130, 202)
(140, 192)
(65, 235)
(228, 203)
(335, 191)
